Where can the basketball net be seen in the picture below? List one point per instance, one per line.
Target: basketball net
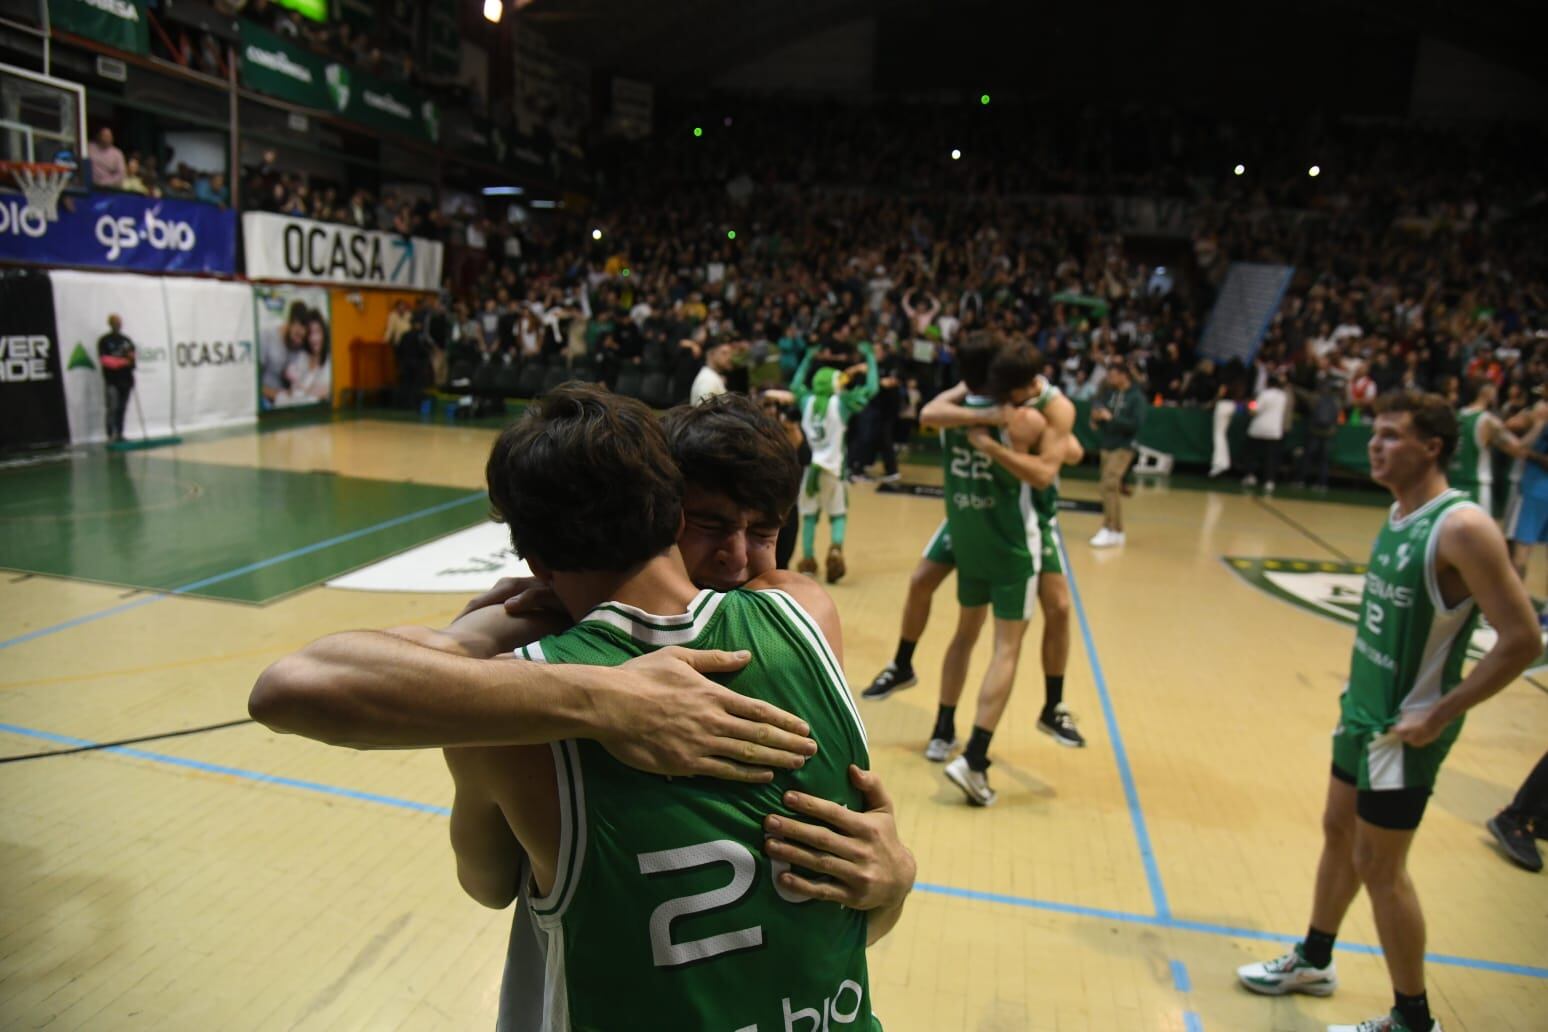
(42, 185)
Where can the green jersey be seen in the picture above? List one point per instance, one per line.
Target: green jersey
(1472, 463)
(988, 511)
(665, 912)
(1409, 646)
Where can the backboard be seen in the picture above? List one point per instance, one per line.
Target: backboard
(42, 118)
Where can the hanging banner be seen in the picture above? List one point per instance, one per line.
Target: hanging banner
(31, 374)
(395, 107)
(121, 231)
(281, 247)
(295, 361)
(85, 304)
(214, 361)
(117, 23)
(272, 66)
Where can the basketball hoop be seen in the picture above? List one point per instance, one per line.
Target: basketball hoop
(41, 182)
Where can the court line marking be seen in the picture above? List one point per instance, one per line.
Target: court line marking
(1302, 528)
(1191, 1022)
(1120, 754)
(974, 895)
(1180, 980)
(262, 564)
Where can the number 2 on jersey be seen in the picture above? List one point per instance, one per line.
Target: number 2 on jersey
(969, 464)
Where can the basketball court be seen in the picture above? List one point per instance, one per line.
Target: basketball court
(207, 873)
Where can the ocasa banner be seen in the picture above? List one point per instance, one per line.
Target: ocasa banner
(281, 247)
(121, 231)
(84, 305)
(31, 375)
(214, 361)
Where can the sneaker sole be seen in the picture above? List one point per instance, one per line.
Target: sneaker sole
(1286, 988)
(877, 696)
(971, 797)
(1056, 736)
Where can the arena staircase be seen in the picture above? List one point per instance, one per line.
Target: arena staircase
(1248, 300)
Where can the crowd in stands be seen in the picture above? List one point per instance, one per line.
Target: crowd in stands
(145, 174)
(1419, 281)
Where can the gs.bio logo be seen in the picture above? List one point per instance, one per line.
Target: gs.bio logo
(123, 233)
(193, 354)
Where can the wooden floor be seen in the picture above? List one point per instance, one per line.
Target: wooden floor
(234, 879)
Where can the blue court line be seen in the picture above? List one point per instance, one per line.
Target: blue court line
(1180, 977)
(1191, 1022)
(261, 564)
(1120, 754)
(233, 772)
(1069, 909)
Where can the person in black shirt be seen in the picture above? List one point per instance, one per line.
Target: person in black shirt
(116, 353)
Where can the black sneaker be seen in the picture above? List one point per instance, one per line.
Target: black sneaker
(1060, 726)
(888, 681)
(1514, 838)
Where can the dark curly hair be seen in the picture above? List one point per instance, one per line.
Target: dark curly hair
(585, 481)
(729, 445)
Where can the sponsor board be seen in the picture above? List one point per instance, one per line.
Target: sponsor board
(83, 302)
(281, 247)
(295, 364)
(121, 231)
(1332, 590)
(465, 563)
(214, 358)
(31, 368)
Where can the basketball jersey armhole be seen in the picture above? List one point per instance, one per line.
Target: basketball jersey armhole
(1431, 547)
(548, 909)
(807, 628)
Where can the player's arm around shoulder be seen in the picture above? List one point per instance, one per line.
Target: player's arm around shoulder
(1472, 561)
(946, 410)
(811, 597)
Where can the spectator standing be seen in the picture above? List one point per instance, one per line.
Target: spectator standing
(711, 379)
(1267, 432)
(108, 167)
(1321, 425)
(116, 353)
(1117, 418)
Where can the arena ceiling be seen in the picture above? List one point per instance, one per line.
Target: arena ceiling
(684, 44)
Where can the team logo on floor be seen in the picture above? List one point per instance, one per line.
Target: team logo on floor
(1332, 590)
(466, 563)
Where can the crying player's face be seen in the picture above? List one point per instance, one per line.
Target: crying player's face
(724, 545)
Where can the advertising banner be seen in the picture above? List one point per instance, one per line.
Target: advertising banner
(214, 360)
(31, 374)
(121, 231)
(85, 303)
(281, 247)
(395, 107)
(118, 23)
(272, 66)
(295, 361)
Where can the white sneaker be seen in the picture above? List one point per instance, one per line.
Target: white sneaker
(1268, 487)
(1289, 974)
(1116, 538)
(1390, 1023)
(974, 784)
(1103, 539)
(1250, 480)
(939, 749)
